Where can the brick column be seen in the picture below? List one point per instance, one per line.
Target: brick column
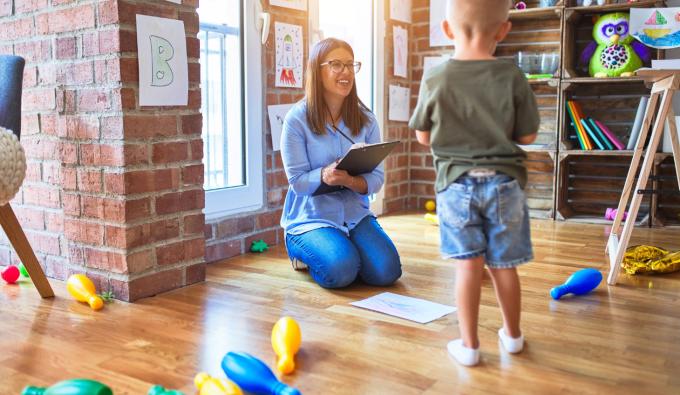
(113, 190)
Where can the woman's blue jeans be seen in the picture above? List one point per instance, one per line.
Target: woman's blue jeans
(335, 260)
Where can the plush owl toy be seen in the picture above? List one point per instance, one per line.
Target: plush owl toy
(614, 53)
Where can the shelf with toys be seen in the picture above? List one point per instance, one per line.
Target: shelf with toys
(537, 13)
(585, 179)
(594, 158)
(534, 43)
(611, 6)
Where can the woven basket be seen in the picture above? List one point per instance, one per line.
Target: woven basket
(12, 165)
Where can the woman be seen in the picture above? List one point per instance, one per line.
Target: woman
(334, 234)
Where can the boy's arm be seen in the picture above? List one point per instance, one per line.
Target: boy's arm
(526, 139)
(527, 119)
(423, 137)
(421, 120)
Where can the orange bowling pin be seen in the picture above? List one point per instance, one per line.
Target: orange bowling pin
(286, 339)
(82, 289)
(208, 385)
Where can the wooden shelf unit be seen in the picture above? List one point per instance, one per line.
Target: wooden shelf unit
(583, 184)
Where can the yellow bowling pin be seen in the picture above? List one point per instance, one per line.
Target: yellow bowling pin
(432, 218)
(82, 289)
(208, 385)
(286, 340)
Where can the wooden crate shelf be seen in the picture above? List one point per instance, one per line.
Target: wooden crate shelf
(612, 102)
(540, 189)
(667, 201)
(588, 185)
(624, 153)
(577, 34)
(603, 81)
(538, 13)
(565, 182)
(613, 7)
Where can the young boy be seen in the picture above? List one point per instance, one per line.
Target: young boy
(472, 110)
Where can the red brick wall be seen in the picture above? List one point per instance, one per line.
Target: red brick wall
(233, 236)
(397, 188)
(113, 190)
(421, 172)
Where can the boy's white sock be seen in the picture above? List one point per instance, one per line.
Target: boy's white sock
(513, 345)
(464, 355)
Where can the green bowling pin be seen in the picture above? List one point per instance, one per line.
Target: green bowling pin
(158, 390)
(71, 387)
(23, 271)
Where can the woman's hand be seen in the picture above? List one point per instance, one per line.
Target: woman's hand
(332, 176)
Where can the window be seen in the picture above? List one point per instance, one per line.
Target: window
(366, 34)
(231, 87)
(328, 18)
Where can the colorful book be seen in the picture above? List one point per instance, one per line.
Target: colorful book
(600, 135)
(577, 121)
(576, 130)
(592, 135)
(579, 115)
(610, 135)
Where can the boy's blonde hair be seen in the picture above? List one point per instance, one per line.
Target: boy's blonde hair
(473, 18)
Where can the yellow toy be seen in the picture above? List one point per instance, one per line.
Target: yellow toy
(430, 205)
(649, 259)
(208, 385)
(286, 339)
(82, 289)
(429, 217)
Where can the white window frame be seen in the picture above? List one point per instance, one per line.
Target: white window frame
(221, 203)
(377, 204)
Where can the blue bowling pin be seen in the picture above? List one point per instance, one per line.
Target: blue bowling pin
(253, 376)
(579, 283)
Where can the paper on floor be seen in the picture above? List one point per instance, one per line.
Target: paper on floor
(405, 307)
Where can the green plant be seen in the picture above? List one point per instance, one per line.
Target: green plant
(107, 296)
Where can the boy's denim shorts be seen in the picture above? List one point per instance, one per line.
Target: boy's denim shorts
(485, 216)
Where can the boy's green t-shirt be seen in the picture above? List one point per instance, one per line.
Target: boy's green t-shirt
(473, 110)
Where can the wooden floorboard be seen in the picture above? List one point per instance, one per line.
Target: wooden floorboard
(623, 339)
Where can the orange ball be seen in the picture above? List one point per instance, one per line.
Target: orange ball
(430, 205)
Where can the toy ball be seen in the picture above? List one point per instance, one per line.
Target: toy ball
(11, 274)
(430, 205)
(521, 5)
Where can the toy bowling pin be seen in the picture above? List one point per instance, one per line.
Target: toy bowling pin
(159, 390)
(252, 375)
(82, 289)
(286, 340)
(579, 283)
(207, 385)
(71, 387)
(10, 274)
(23, 270)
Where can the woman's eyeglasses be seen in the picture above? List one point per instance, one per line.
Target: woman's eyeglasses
(338, 67)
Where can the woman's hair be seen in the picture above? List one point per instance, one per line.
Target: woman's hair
(354, 112)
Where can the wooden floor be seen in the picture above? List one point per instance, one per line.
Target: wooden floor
(618, 340)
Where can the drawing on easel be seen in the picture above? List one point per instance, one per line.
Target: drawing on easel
(163, 68)
(656, 27)
(288, 55)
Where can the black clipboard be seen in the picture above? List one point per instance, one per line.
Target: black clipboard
(359, 160)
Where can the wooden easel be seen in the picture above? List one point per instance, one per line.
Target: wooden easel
(16, 236)
(665, 83)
